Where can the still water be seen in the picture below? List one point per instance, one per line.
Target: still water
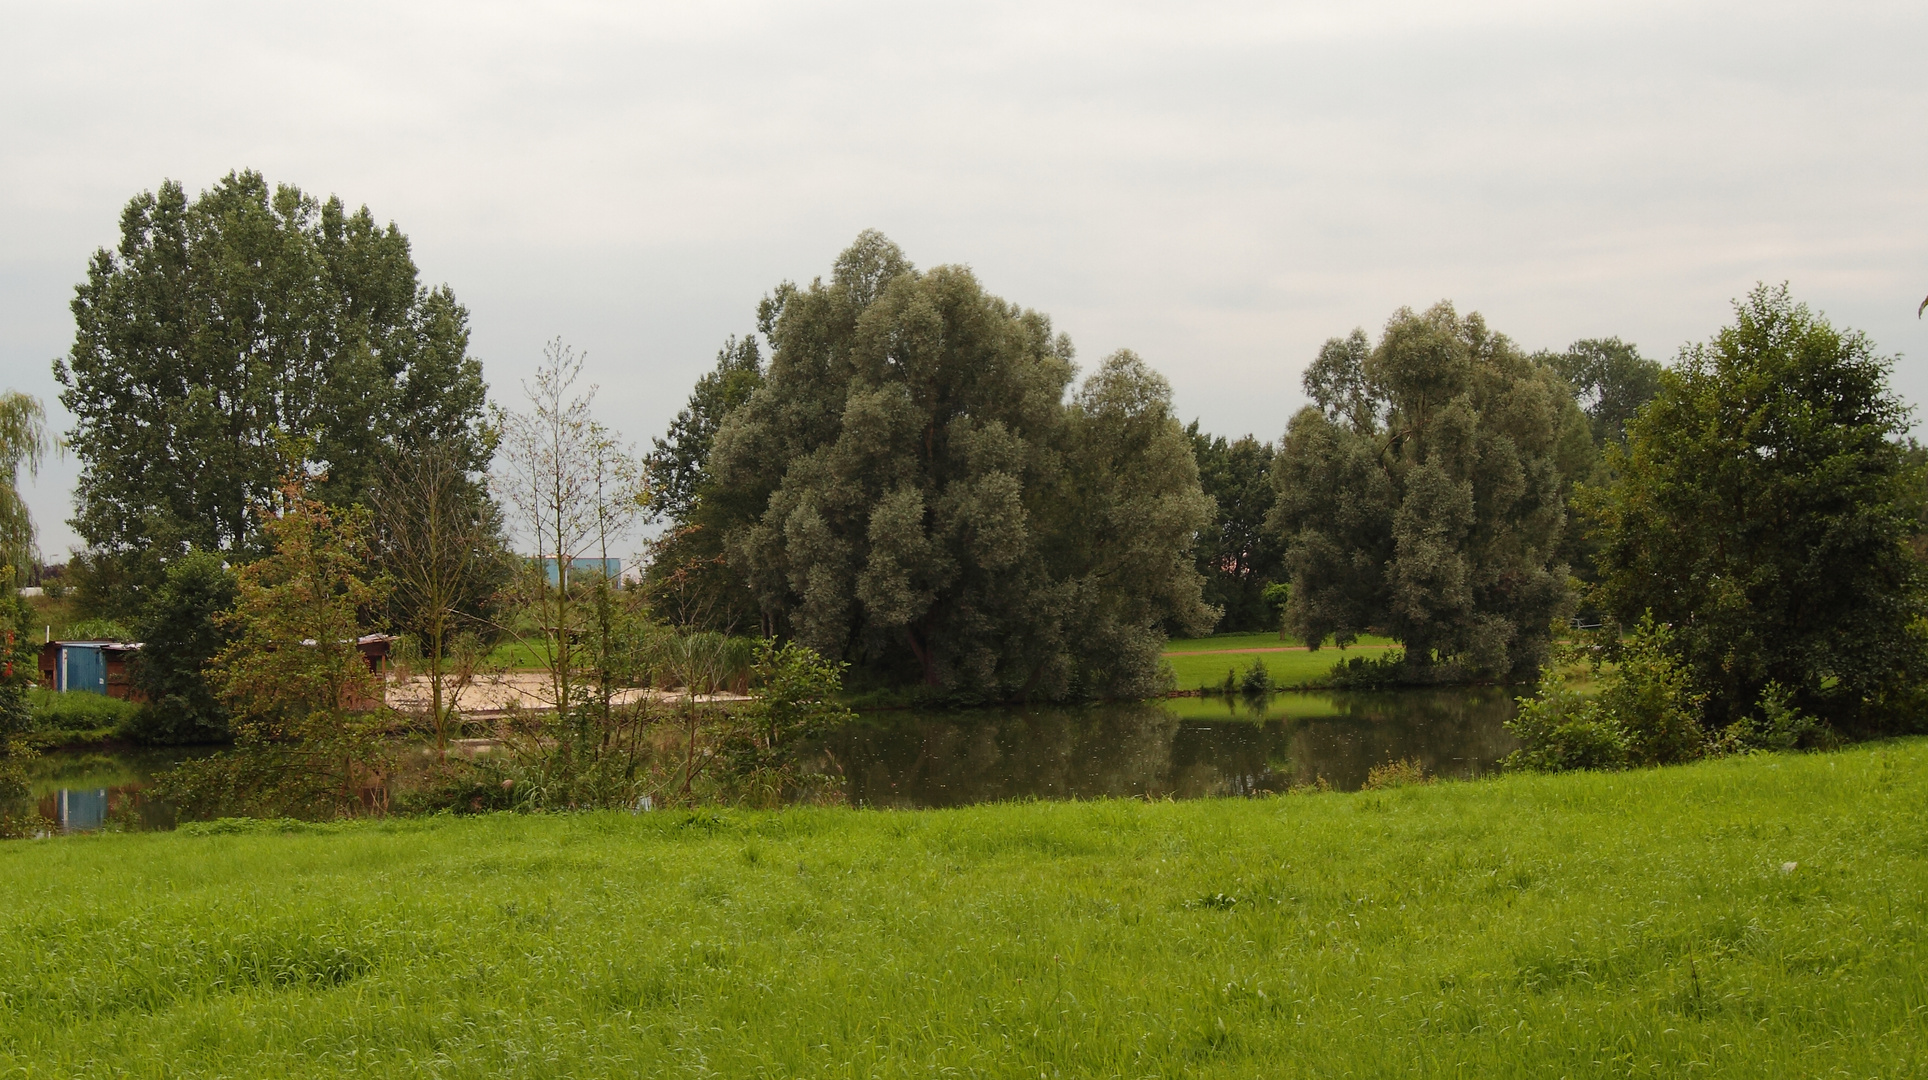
(1183, 748)
(85, 790)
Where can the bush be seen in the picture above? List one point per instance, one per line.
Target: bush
(1559, 730)
(1406, 772)
(1650, 696)
(1778, 726)
(1258, 678)
(1370, 673)
(1647, 713)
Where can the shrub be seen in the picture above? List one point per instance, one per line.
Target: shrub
(1258, 678)
(1650, 696)
(1405, 772)
(1559, 730)
(1370, 673)
(1647, 713)
(1777, 726)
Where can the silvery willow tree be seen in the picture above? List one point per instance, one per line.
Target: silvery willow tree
(230, 341)
(909, 489)
(1421, 497)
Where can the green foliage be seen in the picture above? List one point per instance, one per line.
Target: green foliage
(250, 332)
(18, 671)
(679, 464)
(1611, 381)
(1650, 695)
(1560, 730)
(1778, 725)
(439, 545)
(1763, 507)
(689, 579)
(23, 441)
(1257, 678)
(1277, 597)
(1382, 672)
(1240, 560)
(1525, 927)
(908, 491)
(1423, 496)
(796, 701)
(78, 714)
(1646, 713)
(795, 695)
(305, 706)
(181, 629)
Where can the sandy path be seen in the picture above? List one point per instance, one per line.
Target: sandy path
(498, 693)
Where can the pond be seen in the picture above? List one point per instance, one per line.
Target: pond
(1181, 748)
(84, 790)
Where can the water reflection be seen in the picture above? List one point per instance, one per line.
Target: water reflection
(1185, 748)
(87, 790)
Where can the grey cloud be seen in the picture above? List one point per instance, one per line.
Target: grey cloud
(1219, 186)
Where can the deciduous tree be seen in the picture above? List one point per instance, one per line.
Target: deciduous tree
(23, 442)
(181, 629)
(688, 578)
(909, 490)
(306, 708)
(1238, 556)
(1763, 507)
(438, 539)
(1421, 497)
(232, 338)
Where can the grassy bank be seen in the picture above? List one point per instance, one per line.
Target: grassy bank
(1635, 923)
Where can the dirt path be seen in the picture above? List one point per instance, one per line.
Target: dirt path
(500, 692)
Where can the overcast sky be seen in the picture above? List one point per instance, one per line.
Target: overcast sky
(1218, 186)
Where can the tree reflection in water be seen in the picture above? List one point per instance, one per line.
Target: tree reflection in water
(1183, 748)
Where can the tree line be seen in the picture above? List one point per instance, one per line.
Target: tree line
(905, 474)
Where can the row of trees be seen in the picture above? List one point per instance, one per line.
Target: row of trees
(910, 482)
(902, 471)
(907, 484)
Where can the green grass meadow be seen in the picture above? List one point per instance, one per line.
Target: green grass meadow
(1631, 924)
(1195, 668)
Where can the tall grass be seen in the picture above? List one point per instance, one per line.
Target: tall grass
(1751, 917)
(76, 715)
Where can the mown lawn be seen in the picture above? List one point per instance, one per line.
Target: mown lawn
(1196, 668)
(1269, 639)
(1759, 917)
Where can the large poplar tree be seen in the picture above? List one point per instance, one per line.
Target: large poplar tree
(910, 489)
(1422, 496)
(237, 337)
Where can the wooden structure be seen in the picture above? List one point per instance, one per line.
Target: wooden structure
(90, 667)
